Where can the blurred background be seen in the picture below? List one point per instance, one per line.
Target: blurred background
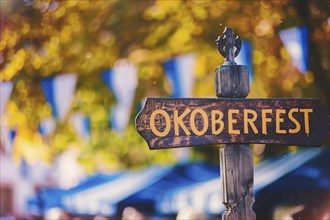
(74, 74)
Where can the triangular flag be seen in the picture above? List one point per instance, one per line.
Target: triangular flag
(296, 43)
(59, 91)
(181, 75)
(81, 125)
(180, 72)
(5, 91)
(7, 139)
(122, 80)
(47, 126)
(245, 57)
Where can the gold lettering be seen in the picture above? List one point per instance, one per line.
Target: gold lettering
(264, 119)
(298, 127)
(279, 120)
(178, 122)
(232, 121)
(249, 121)
(215, 121)
(192, 121)
(167, 123)
(306, 119)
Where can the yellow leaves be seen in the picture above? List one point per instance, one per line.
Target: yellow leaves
(45, 111)
(179, 38)
(99, 113)
(284, 54)
(309, 77)
(200, 64)
(277, 18)
(17, 118)
(168, 5)
(139, 56)
(85, 96)
(122, 150)
(158, 33)
(74, 22)
(88, 36)
(63, 138)
(83, 5)
(287, 85)
(12, 41)
(104, 160)
(149, 71)
(71, 3)
(264, 27)
(48, 59)
(25, 28)
(36, 61)
(258, 89)
(199, 11)
(54, 42)
(60, 12)
(8, 39)
(161, 8)
(29, 145)
(265, 4)
(15, 65)
(272, 66)
(107, 38)
(154, 12)
(258, 57)
(66, 34)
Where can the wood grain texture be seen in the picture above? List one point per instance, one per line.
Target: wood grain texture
(318, 122)
(236, 161)
(236, 164)
(232, 81)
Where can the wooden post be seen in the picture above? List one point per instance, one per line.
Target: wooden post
(183, 122)
(236, 160)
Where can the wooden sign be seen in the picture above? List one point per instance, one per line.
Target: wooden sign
(235, 122)
(175, 122)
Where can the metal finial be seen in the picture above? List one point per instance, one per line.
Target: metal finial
(227, 44)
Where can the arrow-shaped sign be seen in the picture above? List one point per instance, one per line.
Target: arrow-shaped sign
(174, 122)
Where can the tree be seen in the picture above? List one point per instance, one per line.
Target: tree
(46, 38)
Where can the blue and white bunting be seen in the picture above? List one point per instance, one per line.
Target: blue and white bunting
(5, 91)
(296, 42)
(6, 135)
(180, 72)
(7, 139)
(245, 57)
(47, 126)
(122, 80)
(181, 75)
(59, 91)
(81, 124)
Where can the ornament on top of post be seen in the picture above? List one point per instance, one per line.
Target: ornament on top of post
(231, 80)
(236, 160)
(227, 44)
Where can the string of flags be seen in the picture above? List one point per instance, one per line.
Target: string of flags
(47, 126)
(180, 73)
(5, 91)
(122, 81)
(81, 124)
(296, 43)
(59, 91)
(7, 135)
(244, 57)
